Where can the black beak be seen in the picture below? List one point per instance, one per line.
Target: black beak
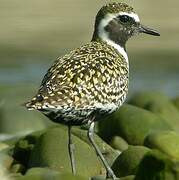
(144, 29)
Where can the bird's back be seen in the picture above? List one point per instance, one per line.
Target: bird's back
(89, 81)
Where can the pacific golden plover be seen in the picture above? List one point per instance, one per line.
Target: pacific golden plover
(91, 81)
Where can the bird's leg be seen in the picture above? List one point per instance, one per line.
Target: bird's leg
(110, 173)
(71, 148)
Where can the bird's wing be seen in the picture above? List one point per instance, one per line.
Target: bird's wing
(87, 76)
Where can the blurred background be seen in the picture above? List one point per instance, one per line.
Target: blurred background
(34, 33)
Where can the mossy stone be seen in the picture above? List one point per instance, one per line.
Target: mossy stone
(109, 153)
(40, 171)
(51, 151)
(131, 123)
(128, 161)
(165, 141)
(118, 143)
(51, 176)
(157, 166)
(15, 176)
(131, 177)
(104, 178)
(160, 104)
(17, 168)
(24, 146)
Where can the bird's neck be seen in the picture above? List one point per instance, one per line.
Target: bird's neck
(119, 46)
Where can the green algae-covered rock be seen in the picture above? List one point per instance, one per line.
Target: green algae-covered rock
(128, 178)
(160, 104)
(165, 141)
(48, 174)
(17, 168)
(51, 151)
(40, 171)
(128, 161)
(109, 153)
(23, 148)
(157, 166)
(104, 178)
(118, 143)
(131, 123)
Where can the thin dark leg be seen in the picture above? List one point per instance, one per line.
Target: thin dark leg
(110, 173)
(71, 148)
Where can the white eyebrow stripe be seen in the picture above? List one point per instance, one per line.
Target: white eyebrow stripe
(132, 15)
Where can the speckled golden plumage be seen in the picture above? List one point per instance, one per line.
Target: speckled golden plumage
(91, 79)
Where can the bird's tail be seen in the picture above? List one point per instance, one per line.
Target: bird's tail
(35, 103)
(29, 105)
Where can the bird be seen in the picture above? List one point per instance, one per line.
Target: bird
(92, 81)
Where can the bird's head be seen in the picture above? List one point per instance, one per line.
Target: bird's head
(117, 22)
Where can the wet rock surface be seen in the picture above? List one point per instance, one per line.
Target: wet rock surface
(128, 161)
(51, 150)
(159, 104)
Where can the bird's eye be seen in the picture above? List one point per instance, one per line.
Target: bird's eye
(124, 18)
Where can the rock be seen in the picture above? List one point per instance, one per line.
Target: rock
(14, 176)
(132, 177)
(17, 168)
(24, 146)
(157, 166)
(131, 123)
(47, 174)
(40, 171)
(109, 153)
(160, 104)
(104, 178)
(68, 176)
(165, 141)
(118, 143)
(22, 151)
(98, 178)
(128, 161)
(51, 151)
